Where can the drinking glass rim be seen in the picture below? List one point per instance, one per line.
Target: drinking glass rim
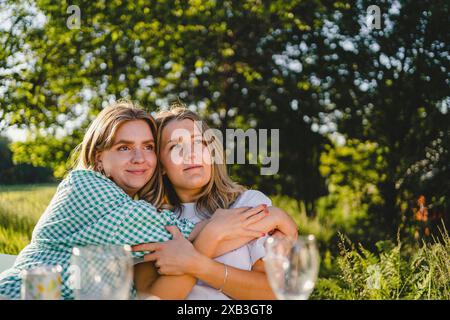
(41, 270)
(309, 238)
(99, 250)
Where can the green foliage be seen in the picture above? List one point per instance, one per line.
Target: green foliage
(323, 228)
(351, 174)
(253, 64)
(22, 173)
(390, 87)
(218, 55)
(47, 151)
(395, 272)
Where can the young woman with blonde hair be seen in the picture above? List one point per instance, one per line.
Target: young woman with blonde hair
(196, 184)
(105, 200)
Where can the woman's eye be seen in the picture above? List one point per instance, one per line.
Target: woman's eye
(200, 141)
(175, 146)
(150, 147)
(123, 148)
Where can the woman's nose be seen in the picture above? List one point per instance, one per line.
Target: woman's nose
(187, 155)
(193, 155)
(138, 156)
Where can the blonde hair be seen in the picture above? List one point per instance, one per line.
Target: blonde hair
(100, 136)
(221, 191)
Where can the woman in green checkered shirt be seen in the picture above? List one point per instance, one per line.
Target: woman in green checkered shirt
(108, 200)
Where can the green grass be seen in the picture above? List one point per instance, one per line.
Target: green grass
(394, 272)
(20, 208)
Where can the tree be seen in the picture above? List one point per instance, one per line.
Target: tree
(305, 67)
(22, 173)
(390, 86)
(226, 57)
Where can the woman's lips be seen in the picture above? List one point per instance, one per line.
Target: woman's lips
(137, 172)
(192, 167)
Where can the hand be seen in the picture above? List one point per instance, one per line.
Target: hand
(174, 257)
(229, 224)
(285, 225)
(276, 233)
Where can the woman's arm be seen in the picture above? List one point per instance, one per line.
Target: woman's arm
(277, 219)
(148, 282)
(227, 225)
(178, 256)
(239, 284)
(175, 287)
(197, 229)
(243, 284)
(234, 227)
(211, 242)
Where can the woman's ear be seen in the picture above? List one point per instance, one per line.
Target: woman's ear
(98, 161)
(98, 166)
(163, 171)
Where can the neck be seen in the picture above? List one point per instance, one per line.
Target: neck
(131, 194)
(188, 195)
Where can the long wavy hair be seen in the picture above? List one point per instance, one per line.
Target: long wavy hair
(100, 136)
(220, 191)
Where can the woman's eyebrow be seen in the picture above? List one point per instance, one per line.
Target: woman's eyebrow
(177, 140)
(122, 141)
(181, 138)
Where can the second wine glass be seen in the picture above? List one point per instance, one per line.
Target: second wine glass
(101, 272)
(292, 266)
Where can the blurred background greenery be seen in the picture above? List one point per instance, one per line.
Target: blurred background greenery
(363, 113)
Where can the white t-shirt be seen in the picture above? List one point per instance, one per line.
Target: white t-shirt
(242, 258)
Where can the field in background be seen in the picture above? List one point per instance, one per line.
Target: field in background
(20, 208)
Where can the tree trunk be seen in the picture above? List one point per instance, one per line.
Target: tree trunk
(390, 212)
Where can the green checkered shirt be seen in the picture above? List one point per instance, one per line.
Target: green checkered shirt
(88, 209)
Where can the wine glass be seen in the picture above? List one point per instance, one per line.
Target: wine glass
(292, 266)
(101, 272)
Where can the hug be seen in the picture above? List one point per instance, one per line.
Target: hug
(196, 233)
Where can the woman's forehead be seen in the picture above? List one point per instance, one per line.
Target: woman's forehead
(136, 130)
(179, 129)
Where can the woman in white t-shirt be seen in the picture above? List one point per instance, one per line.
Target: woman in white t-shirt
(196, 184)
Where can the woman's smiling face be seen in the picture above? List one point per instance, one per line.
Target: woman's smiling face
(131, 161)
(185, 158)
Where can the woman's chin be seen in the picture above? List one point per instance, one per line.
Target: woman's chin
(195, 184)
(137, 183)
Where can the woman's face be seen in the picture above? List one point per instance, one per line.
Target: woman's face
(131, 161)
(185, 158)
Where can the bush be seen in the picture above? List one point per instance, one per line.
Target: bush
(21, 173)
(395, 272)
